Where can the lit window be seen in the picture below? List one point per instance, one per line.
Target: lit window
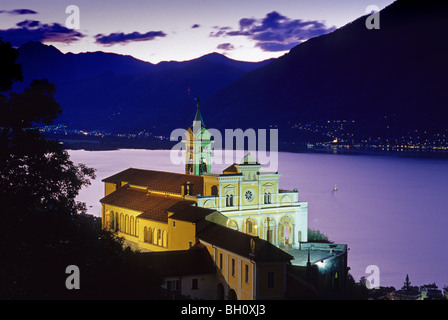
(188, 191)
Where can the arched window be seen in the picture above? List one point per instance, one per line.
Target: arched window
(122, 222)
(229, 200)
(132, 226)
(112, 221)
(188, 189)
(117, 224)
(126, 224)
(165, 239)
(145, 234)
(107, 222)
(154, 236)
(267, 198)
(149, 236)
(251, 227)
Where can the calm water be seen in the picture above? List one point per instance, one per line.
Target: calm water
(391, 211)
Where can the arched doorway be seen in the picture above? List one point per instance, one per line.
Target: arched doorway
(269, 229)
(232, 295)
(286, 231)
(251, 227)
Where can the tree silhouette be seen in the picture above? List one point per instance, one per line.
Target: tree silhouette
(43, 228)
(35, 174)
(407, 283)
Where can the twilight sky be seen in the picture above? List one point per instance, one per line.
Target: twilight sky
(161, 30)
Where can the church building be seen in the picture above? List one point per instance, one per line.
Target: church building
(251, 198)
(241, 216)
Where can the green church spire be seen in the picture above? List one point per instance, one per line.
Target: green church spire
(198, 116)
(197, 146)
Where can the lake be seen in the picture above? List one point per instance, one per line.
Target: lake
(391, 211)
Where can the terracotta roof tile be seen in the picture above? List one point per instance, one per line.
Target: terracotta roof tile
(231, 169)
(158, 180)
(188, 211)
(151, 206)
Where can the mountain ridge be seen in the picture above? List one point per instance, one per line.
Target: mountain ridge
(107, 91)
(387, 81)
(354, 73)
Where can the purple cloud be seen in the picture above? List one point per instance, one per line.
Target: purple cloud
(221, 31)
(28, 24)
(120, 37)
(195, 26)
(246, 23)
(32, 30)
(19, 11)
(225, 46)
(273, 20)
(276, 32)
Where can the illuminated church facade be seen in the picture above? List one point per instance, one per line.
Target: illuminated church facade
(240, 217)
(251, 198)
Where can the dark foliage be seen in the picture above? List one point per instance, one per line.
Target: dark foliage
(10, 71)
(43, 228)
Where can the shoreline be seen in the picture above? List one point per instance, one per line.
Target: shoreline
(97, 145)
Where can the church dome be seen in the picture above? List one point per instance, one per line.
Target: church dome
(249, 159)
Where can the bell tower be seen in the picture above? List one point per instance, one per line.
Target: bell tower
(197, 146)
